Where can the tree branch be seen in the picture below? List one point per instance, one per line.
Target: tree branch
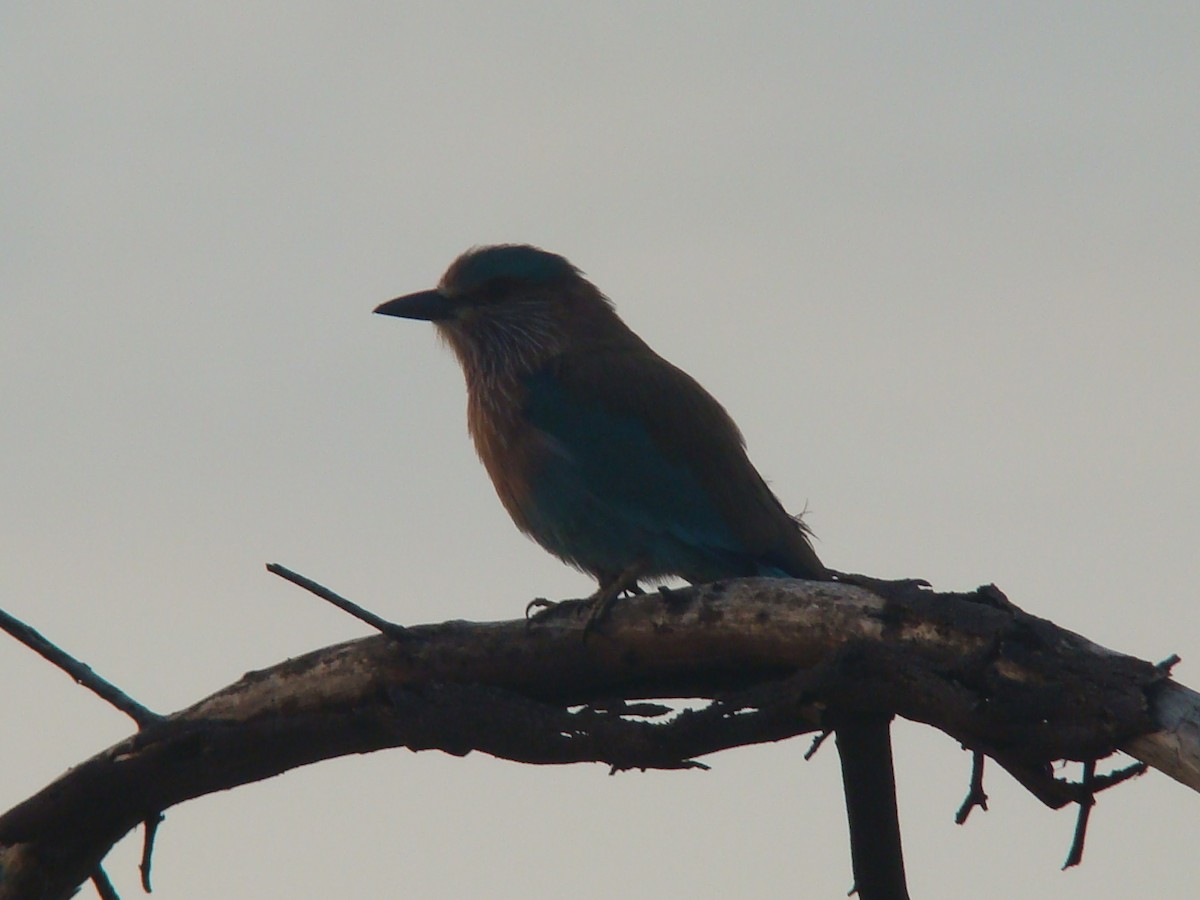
(771, 656)
(80, 672)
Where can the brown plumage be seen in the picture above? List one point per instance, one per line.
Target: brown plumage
(606, 454)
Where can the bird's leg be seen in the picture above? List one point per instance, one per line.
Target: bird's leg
(599, 602)
(610, 589)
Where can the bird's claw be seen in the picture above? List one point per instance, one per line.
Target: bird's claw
(536, 608)
(883, 586)
(597, 605)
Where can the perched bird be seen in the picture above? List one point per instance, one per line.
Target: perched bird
(623, 466)
(611, 458)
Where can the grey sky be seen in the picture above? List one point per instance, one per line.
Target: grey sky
(939, 261)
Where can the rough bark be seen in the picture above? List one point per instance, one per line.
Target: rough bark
(774, 658)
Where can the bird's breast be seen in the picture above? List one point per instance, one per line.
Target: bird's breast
(594, 488)
(511, 450)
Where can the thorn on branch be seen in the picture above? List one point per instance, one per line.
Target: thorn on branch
(79, 671)
(151, 826)
(391, 629)
(975, 795)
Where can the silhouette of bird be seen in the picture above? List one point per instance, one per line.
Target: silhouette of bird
(611, 458)
(620, 464)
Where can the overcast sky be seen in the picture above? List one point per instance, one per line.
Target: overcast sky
(940, 261)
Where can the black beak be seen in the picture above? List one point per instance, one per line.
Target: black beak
(431, 306)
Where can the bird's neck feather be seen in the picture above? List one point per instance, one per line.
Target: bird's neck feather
(499, 348)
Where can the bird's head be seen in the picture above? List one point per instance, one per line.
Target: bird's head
(509, 307)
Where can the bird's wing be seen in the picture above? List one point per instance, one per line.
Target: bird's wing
(647, 436)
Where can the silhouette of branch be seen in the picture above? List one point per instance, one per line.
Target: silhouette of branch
(767, 658)
(1086, 802)
(975, 796)
(151, 826)
(816, 744)
(383, 626)
(80, 672)
(103, 886)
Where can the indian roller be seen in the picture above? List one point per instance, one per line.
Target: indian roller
(623, 466)
(611, 458)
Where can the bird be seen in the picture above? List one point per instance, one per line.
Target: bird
(610, 457)
(621, 465)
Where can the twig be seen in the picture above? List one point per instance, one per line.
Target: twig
(104, 887)
(1087, 800)
(1112, 779)
(80, 672)
(151, 826)
(815, 746)
(391, 629)
(1168, 664)
(975, 795)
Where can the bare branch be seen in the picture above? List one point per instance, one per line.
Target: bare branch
(1086, 802)
(975, 796)
(80, 672)
(1173, 746)
(383, 626)
(151, 827)
(104, 887)
(771, 656)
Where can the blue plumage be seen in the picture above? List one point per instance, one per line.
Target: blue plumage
(607, 495)
(512, 262)
(607, 455)
(623, 466)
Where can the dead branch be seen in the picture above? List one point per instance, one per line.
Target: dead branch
(772, 657)
(80, 672)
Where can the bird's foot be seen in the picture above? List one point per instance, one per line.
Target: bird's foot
(602, 601)
(884, 587)
(541, 604)
(599, 605)
(539, 609)
(596, 606)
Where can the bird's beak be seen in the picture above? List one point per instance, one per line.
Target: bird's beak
(432, 306)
